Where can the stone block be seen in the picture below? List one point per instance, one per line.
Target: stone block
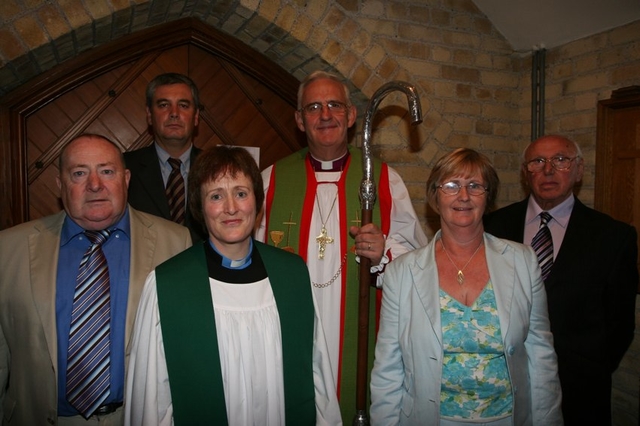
(31, 32)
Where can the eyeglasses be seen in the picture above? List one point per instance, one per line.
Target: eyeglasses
(559, 162)
(315, 108)
(453, 188)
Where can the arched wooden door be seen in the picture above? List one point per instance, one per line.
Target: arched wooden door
(247, 101)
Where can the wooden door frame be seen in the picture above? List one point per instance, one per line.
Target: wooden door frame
(622, 98)
(19, 104)
(626, 97)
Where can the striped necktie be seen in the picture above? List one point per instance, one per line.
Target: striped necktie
(88, 359)
(175, 192)
(542, 243)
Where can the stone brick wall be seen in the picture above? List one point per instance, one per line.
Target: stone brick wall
(475, 91)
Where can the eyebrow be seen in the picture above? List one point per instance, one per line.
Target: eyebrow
(189, 101)
(88, 166)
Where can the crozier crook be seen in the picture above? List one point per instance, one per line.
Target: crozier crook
(367, 200)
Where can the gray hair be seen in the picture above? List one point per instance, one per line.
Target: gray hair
(317, 75)
(172, 78)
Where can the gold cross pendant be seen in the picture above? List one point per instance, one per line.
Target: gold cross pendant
(323, 239)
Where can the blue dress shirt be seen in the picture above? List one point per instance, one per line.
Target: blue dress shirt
(73, 245)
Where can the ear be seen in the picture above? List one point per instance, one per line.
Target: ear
(352, 114)
(148, 116)
(580, 171)
(300, 121)
(127, 176)
(196, 119)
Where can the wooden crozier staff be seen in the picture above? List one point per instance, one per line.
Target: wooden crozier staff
(367, 200)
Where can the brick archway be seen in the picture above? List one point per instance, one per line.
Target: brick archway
(269, 29)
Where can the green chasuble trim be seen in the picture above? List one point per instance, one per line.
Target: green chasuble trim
(191, 344)
(286, 215)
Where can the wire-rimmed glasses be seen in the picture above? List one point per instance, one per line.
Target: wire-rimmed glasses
(559, 162)
(453, 188)
(315, 108)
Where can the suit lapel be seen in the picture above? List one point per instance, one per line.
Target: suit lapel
(194, 153)
(43, 269)
(502, 272)
(424, 270)
(573, 237)
(151, 179)
(515, 223)
(143, 242)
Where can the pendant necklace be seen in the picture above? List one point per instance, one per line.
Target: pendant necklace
(323, 239)
(460, 273)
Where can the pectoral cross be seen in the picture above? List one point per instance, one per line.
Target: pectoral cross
(323, 239)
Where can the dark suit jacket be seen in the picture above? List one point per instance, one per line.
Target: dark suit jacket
(591, 293)
(146, 188)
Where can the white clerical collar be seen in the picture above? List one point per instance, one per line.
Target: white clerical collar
(238, 263)
(335, 165)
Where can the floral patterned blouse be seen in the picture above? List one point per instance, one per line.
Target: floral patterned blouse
(475, 379)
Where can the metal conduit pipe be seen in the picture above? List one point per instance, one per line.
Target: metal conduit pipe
(537, 91)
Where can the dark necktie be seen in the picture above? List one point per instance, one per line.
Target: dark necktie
(175, 192)
(88, 360)
(542, 243)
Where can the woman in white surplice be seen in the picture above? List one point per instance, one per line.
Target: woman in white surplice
(227, 331)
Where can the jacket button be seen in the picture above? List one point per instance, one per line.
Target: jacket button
(511, 350)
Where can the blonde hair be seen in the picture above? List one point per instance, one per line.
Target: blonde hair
(463, 162)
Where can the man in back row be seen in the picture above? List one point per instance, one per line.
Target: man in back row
(159, 172)
(588, 263)
(311, 201)
(70, 279)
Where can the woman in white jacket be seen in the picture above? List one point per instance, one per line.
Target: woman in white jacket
(464, 335)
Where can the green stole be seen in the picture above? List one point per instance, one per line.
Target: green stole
(290, 213)
(191, 344)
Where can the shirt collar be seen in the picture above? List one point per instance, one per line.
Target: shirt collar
(164, 155)
(336, 165)
(71, 230)
(235, 264)
(560, 213)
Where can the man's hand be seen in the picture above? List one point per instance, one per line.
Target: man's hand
(369, 242)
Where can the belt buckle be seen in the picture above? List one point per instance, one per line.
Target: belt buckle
(107, 409)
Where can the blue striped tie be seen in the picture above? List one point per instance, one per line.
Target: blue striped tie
(88, 359)
(542, 243)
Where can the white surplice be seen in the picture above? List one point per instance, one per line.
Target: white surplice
(250, 346)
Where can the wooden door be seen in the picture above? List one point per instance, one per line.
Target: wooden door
(247, 101)
(618, 157)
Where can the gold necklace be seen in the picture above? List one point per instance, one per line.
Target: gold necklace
(335, 276)
(460, 274)
(323, 239)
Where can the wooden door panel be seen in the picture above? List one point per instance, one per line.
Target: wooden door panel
(626, 155)
(618, 157)
(41, 138)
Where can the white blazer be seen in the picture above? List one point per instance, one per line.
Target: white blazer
(407, 372)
